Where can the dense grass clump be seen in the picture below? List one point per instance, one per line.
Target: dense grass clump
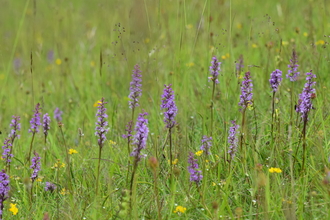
(164, 110)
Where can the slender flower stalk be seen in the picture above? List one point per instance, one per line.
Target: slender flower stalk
(292, 75)
(4, 190)
(101, 130)
(16, 127)
(293, 67)
(35, 124)
(275, 81)
(206, 144)
(214, 71)
(139, 142)
(168, 104)
(304, 106)
(245, 101)
(233, 140)
(239, 65)
(7, 155)
(46, 125)
(58, 115)
(135, 88)
(36, 168)
(128, 135)
(195, 173)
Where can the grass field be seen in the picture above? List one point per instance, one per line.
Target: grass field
(79, 57)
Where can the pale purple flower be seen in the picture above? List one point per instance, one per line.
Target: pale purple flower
(140, 137)
(293, 67)
(233, 139)
(50, 56)
(50, 187)
(6, 155)
(239, 64)
(246, 92)
(195, 173)
(101, 128)
(46, 123)
(35, 166)
(168, 103)
(275, 79)
(16, 126)
(17, 63)
(129, 128)
(58, 115)
(214, 70)
(206, 144)
(35, 121)
(135, 87)
(4, 189)
(305, 98)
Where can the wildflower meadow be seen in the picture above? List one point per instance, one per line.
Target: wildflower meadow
(177, 109)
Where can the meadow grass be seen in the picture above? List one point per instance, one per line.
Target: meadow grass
(71, 54)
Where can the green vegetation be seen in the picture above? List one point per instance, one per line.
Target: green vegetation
(71, 54)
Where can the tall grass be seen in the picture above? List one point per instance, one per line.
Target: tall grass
(84, 50)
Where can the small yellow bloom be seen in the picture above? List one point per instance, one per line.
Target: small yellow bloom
(320, 42)
(274, 170)
(112, 142)
(58, 164)
(284, 43)
(305, 34)
(97, 103)
(72, 151)
(190, 64)
(13, 208)
(226, 56)
(174, 162)
(198, 153)
(58, 61)
(147, 40)
(189, 26)
(239, 26)
(180, 209)
(92, 63)
(254, 46)
(214, 184)
(64, 192)
(39, 179)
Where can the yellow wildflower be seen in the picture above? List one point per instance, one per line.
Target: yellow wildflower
(198, 153)
(72, 151)
(239, 25)
(147, 40)
(58, 61)
(92, 63)
(214, 184)
(320, 42)
(58, 164)
(305, 34)
(174, 162)
(190, 64)
(189, 26)
(226, 56)
(180, 209)
(284, 43)
(97, 103)
(274, 170)
(64, 192)
(112, 142)
(254, 45)
(13, 208)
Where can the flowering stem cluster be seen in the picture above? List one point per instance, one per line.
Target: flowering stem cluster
(35, 123)
(195, 174)
(275, 81)
(304, 106)
(214, 71)
(168, 104)
(4, 189)
(101, 130)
